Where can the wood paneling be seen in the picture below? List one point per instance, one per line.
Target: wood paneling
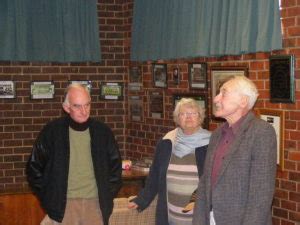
(20, 209)
(24, 208)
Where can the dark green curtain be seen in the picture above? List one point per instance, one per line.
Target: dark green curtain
(172, 29)
(49, 30)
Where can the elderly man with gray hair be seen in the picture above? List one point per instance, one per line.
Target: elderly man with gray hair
(238, 181)
(75, 165)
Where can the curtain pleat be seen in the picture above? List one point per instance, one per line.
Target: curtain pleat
(172, 29)
(49, 30)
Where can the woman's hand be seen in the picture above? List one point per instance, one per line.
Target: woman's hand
(188, 207)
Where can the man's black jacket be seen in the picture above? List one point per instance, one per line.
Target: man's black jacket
(48, 166)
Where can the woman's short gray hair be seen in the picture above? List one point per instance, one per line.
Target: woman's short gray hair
(188, 102)
(247, 88)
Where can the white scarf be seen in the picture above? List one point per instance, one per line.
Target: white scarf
(186, 144)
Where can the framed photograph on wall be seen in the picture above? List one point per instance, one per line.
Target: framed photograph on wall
(176, 75)
(200, 98)
(86, 83)
(156, 104)
(221, 74)
(159, 73)
(282, 79)
(198, 75)
(136, 108)
(111, 91)
(276, 119)
(135, 78)
(42, 90)
(7, 89)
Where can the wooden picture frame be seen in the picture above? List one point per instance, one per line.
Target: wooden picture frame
(7, 89)
(282, 78)
(160, 75)
(276, 119)
(197, 75)
(111, 91)
(42, 90)
(201, 98)
(219, 75)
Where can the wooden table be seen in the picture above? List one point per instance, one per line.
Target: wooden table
(133, 182)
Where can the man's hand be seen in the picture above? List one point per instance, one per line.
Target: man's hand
(131, 204)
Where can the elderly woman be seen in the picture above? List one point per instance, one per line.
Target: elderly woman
(177, 166)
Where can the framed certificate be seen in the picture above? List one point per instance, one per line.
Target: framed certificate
(111, 91)
(276, 119)
(42, 90)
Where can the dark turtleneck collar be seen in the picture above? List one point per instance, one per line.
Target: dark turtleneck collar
(79, 126)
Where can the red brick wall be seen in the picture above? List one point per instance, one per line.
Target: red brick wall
(142, 136)
(22, 118)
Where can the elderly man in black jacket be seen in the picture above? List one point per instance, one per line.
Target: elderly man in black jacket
(75, 166)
